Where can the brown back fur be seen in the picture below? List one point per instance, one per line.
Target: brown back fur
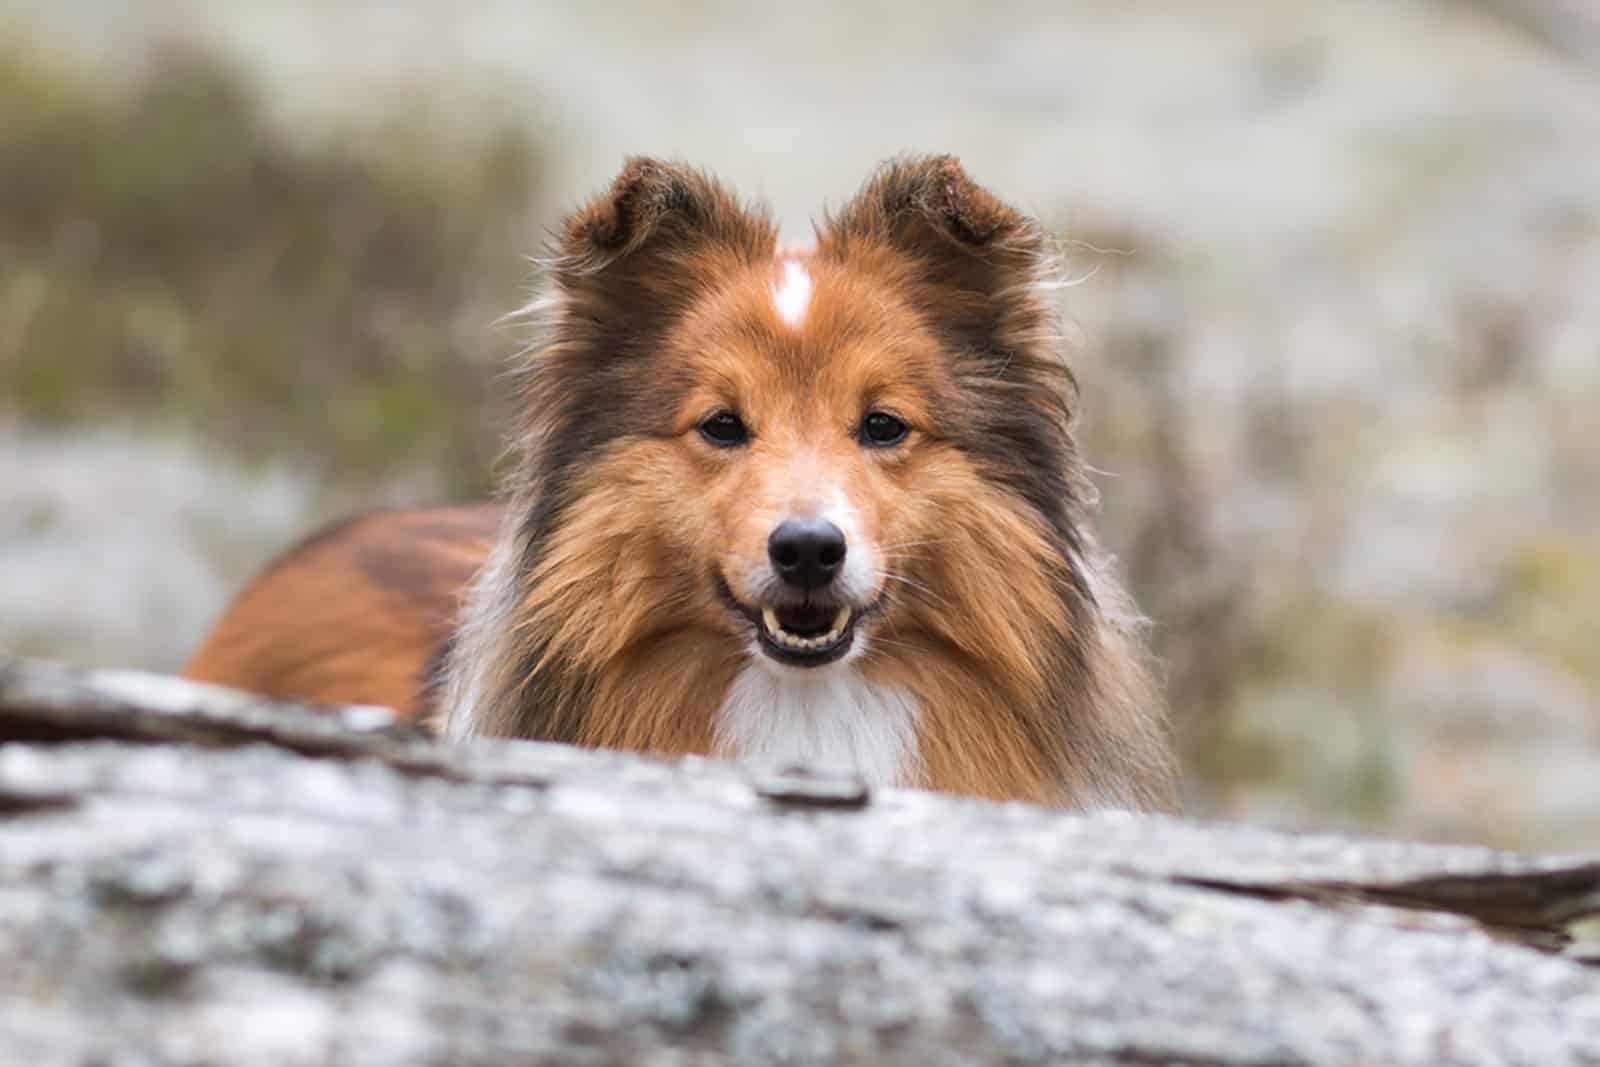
(356, 614)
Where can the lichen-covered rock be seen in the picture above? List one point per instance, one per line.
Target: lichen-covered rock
(192, 877)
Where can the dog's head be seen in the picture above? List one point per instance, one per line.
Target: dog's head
(816, 456)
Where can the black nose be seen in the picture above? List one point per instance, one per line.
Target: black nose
(806, 552)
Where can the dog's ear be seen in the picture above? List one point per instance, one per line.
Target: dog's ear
(638, 252)
(663, 207)
(972, 258)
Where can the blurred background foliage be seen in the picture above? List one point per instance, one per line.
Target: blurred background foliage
(171, 254)
(1335, 313)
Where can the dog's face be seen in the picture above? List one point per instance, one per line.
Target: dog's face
(822, 506)
(811, 452)
(815, 457)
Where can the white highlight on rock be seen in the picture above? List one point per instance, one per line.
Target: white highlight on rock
(826, 717)
(793, 295)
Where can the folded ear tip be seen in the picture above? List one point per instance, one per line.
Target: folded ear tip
(647, 197)
(948, 168)
(647, 180)
(609, 220)
(635, 167)
(938, 188)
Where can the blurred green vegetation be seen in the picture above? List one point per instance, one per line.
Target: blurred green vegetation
(169, 254)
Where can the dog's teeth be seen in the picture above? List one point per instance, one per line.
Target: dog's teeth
(795, 642)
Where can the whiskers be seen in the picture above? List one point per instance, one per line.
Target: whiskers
(877, 641)
(891, 549)
(902, 553)
(919, 589)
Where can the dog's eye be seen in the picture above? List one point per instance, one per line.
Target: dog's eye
(882, 429)
(724, 430)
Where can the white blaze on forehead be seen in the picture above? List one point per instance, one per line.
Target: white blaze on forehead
(792, 295)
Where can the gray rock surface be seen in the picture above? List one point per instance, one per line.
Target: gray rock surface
(189, 876)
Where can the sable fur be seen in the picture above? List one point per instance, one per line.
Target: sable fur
(595, 620)
(360, 613)
(596, 617)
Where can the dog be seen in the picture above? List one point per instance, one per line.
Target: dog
(814, 505)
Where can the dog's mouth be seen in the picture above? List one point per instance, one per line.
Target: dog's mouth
(809, 634)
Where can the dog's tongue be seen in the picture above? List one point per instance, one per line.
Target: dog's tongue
(806, 620)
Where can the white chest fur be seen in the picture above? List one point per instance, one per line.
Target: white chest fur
(829, 718)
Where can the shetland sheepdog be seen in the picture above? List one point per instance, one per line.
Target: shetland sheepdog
(820, 506)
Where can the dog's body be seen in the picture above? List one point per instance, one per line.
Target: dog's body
(817, 506)
(360, 613)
